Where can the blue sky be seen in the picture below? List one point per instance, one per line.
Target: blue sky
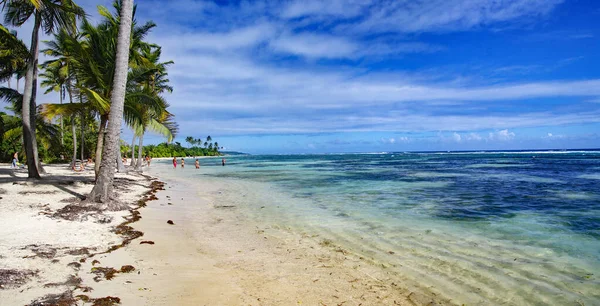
(363, 76)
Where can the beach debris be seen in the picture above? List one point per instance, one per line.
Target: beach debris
(77, 212)
(391, 252)
(80, 251)
(74, 265)
(72, 281)
(127, 269)
(95, 261)
(107, 273)
(106, 301)
(42, 251)
(147, 242)
(224, 206)
(12, 278)
(171, 222)
(66, 298)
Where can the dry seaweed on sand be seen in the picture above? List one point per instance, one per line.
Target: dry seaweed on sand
(80, 251)
(171, 222)
(13, 278)
(147, 242)
(72, 281)
(106, 301)
(109, 273)
(64, 299)
(42, 251)
(77, 212)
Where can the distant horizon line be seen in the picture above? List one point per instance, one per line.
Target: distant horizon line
(436, 151)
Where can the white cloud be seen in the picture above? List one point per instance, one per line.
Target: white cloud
(502, 135)
(315, 46)
(456, 137)
(554, 136)
(246, 37)
(337, 8)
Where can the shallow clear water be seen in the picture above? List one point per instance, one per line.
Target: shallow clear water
(520, 228)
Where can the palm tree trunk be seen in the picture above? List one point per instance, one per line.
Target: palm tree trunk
(132, 163)
(73, 130)
(139, 164)
(100, 144)
(18, 79)
(120, 166)
(62, 132)
(82, 126)
(9, 81)
(103, 189)
(28, 111)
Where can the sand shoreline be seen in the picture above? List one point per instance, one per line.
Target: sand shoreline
(211, 255)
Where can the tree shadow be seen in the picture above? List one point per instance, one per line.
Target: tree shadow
(61, 182)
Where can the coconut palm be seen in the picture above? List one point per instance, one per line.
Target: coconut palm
(94, 64)
(103, 189)
(12, 131)
(48, 14)
(59, 76)
(154, 81)
(13, 55)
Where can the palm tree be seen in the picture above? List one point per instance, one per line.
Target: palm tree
(153, 81)
(94, 66)
(60, 76)
(103, 189)
(12, 131)
(47, 15)
(13, 55)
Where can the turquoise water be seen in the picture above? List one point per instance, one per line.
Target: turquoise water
(513, 228)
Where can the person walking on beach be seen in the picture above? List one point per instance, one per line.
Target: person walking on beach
(148, 160)
(15, 160)
(174, 162)
(197, 164)
(223, 161)
(182, 162)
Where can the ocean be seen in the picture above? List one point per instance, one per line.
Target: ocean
(483, 228)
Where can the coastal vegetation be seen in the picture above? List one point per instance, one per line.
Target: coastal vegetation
(104, 74)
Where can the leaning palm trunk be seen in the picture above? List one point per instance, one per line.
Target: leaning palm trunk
(100, 144)
(139, 163)
(74, 159)
(82, 135)
(62, 128)
(132, 163)
(29, 107)
(73, 129)
(103, 189)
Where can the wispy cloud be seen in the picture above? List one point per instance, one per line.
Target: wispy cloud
(307, 67)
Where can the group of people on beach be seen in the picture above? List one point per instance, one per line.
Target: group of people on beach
(197, 163)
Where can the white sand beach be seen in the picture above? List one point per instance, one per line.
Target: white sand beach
(210, 255)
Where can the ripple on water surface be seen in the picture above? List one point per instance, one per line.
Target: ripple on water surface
(493, 228)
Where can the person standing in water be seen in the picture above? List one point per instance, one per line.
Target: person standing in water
(174, 162)
(182, 162)
(223, 161)
(197, 164)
